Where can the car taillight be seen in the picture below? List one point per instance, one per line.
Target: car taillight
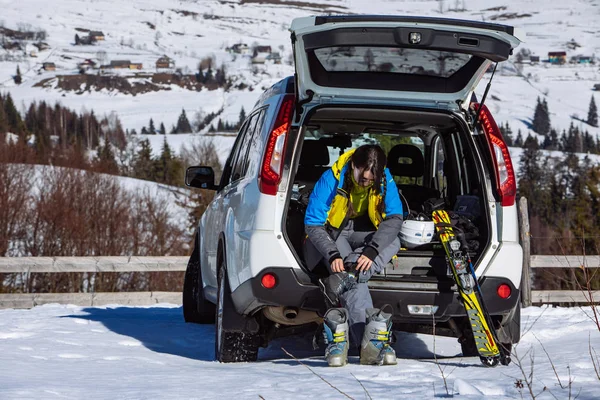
(505, 173)
(504, 291)
(270, 172)
(268, 280)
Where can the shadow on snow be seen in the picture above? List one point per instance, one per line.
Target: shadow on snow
(163, 330)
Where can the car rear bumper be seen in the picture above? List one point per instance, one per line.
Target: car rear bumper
(294, 289)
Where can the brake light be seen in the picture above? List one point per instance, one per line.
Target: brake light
(505, 173)
(269, 280)
(504, 291)
(270, 172)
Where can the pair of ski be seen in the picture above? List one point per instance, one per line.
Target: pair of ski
(490, 350)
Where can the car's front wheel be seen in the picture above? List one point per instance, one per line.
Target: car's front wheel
(236, 336)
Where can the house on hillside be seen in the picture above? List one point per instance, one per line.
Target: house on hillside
(274, 57)
(240, 48)
(259, 59)
(165, 62)
(136, 66)
(557, 57)
(119, 64)
(579, 59)
(534, 59)
(96, 35)
(12, 46)
(86, 65)
(41, 46)
(262, 49)
(49, 66)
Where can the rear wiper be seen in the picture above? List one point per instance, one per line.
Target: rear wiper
(487, 89)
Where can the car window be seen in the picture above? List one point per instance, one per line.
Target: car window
(227, 171)
(255, 148)
(240, 165)
(391, 60)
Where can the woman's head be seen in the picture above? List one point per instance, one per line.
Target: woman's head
(368, 163)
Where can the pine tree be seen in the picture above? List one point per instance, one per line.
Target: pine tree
(3, 118)
(77, 40)
(519, 139)
(15, 123)
(151, 128)
(592, 118)
(506, 134)
(106, 158)
(143, 163)
(209, 75)
(541, 118)
(183, 124)
(168, 167)
(18, 78)
(163, 131)
(242, 118)
(144, 130)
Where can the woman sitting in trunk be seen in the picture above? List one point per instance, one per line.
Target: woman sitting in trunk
(352, 221)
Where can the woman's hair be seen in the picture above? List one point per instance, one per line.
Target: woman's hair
(369, 157)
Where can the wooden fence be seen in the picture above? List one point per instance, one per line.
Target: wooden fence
(28, 265)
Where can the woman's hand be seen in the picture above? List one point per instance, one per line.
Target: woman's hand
(363, 263)
(337, 265)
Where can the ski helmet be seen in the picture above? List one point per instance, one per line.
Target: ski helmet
(416, 232)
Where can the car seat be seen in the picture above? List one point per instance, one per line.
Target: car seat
(406, 160)
(314, 160)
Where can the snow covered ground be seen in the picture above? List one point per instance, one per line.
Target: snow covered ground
(58, 351)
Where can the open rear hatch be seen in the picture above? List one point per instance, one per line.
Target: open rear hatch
(398, 59)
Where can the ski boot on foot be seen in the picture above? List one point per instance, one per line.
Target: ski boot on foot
(335, 331)
(375, 347)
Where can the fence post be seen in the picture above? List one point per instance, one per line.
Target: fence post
(526, 245)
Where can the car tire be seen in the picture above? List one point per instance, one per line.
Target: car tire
(232, 345)
(196, 309)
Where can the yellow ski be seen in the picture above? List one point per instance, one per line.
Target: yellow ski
(468, 288)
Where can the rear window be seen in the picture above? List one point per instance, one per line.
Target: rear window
(391, 59)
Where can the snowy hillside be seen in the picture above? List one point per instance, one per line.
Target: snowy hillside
(187, 31)
(56, 351)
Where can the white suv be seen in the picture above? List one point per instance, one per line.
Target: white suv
(405, 83)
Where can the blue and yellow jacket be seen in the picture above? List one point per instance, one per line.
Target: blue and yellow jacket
(327, 211)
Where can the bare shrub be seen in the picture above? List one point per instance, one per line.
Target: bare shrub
(71, 212)
(15, 182)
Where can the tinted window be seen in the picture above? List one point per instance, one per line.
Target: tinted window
(227, 171)
(391, 59)
(247, 154)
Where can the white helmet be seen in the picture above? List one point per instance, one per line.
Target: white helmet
(415, 233)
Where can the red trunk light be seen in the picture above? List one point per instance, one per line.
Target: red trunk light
(270, 172)
(505, 173)
(504, 291)
(268, 280)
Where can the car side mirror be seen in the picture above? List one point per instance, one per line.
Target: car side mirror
(200, 177)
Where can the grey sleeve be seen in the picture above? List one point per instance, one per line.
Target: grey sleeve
(323, 242)
(388, 230)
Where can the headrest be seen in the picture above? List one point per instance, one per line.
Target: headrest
(314, 152)
(406, 160)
